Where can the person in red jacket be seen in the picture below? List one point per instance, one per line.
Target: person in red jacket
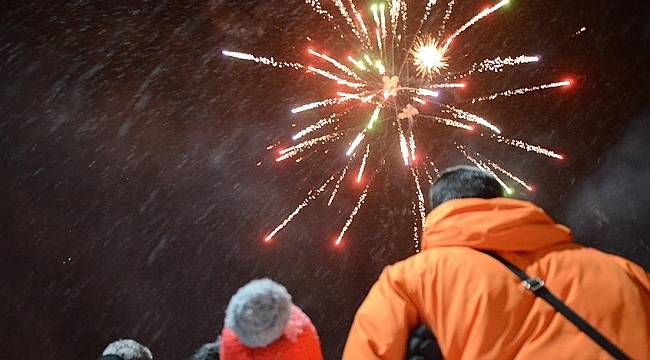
(477, 308)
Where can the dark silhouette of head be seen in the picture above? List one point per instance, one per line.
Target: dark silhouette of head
(463, 181)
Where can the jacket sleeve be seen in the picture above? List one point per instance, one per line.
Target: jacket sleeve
(381, 325)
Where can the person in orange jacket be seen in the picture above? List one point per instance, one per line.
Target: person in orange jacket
(477, 308)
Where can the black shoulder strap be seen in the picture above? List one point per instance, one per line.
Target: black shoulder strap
(536, 286)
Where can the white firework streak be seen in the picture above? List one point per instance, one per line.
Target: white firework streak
(450, 6)
(461, 114)
(473, 21)
(334, 77)
(296, 149)
(382, 17)
(337, 185)
(310, 196)
(394, 15)
(521, 91)
(337, 64)
(316, 6)
(261, 60)
(420, 195)
(402, 144)
(483, 166)
(356, 142)
(412, 144)
(496, 65)
(510, 175)
(453, 123)
(435, 169)
(348, 19)
(427, 11)
(416, 230)
(418, 209)
(526, 146)
(362, 198)
(363, 163)
(316, 104)
(319, 124)
(362, 24)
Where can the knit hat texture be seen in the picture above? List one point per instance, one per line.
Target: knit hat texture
(128, 349)
(262, 323)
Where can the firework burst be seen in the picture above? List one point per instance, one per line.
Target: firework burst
(385, 51)
(428, 58)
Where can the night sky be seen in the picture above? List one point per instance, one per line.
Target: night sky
(136, 186)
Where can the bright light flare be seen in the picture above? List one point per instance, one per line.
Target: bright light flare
(427, 92)
(428, 58)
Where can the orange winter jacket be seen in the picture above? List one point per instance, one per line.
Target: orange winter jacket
(478, 309)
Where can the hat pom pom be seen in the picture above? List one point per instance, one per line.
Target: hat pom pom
(259, 312)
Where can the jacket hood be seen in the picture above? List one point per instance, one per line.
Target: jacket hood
(499, 224)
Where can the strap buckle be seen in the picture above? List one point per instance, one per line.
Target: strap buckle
(533, 284)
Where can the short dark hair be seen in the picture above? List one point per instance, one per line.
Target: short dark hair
(464, 181)
(209, 351)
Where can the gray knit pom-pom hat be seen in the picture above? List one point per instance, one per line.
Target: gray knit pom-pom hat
(259, 312)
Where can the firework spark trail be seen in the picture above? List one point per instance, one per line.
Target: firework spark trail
(495, 65)
(421, 210)
(418, 100)
(450, 6)
(521, 91)
(403, 9)
(348, 19)
(483, 166)
(331, 76)
(338, 65)
(316, 6)
(526, 146)
(416, 229)
(373, 118)
(363, 163)
(362, 198)
(261, 60)
(310, 196)
(510, 175)
(319, 124)
(402, 144)
(453, 123)
(394, 16)
(435, 169)
(447, 86)
(297, 149)
(382, 17)
(412, 144)
(316, 104)
(356, 142)
(427, 92)
(473, 21)
(363, 97)
(460, 114)
(420, 196)
(427, 11)
(362, 24)
(379, 42)
(337, 185)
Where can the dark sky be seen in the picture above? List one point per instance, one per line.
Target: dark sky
(133, 204)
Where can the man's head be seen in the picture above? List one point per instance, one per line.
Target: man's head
(209, 351)
(463, 181)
